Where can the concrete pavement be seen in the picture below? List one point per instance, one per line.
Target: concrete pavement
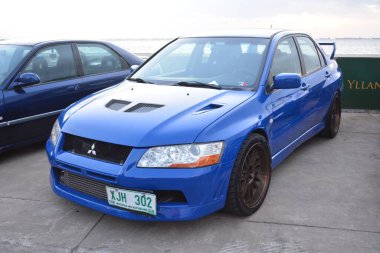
(324, 198)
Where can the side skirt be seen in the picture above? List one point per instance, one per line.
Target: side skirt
(30, 118)
(285, 152)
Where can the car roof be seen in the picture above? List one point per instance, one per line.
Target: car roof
(256, 33)
(41, 42)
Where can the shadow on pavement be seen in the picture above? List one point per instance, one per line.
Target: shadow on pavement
(21, 152)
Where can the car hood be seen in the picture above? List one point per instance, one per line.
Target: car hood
(164, 115)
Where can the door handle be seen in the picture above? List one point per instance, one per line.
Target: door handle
(305, 86)
(73, 88)
(327, 74)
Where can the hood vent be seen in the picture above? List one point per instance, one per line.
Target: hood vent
(208, 108)
(141, 108)
(117, 104)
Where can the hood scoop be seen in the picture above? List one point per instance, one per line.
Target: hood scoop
(116, 105)
(142, 108)
(208, 108)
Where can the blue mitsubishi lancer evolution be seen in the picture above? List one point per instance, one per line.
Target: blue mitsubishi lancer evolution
(198, 127)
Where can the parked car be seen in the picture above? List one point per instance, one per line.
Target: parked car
(197, 128)
(38, 80)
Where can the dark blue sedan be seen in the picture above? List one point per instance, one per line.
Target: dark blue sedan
(38, 80)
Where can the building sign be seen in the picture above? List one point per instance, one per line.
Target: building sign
(361, 77)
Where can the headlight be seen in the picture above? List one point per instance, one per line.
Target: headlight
(182, 156)
(55, 132)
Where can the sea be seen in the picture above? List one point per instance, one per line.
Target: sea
(345, 46)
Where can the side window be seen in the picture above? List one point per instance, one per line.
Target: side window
(309, 54)
(286, 59)
(53, 64)
(98, 59)
(322, 60)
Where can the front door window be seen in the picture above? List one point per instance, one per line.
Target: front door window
(53, 63)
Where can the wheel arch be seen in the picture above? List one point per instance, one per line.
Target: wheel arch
(260, 131)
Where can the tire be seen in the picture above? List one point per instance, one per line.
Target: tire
(250, 177)
(333, 117)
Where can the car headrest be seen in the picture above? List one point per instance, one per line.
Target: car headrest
(108, 62)
(39, 64)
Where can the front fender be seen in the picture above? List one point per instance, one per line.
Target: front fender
(235, 126)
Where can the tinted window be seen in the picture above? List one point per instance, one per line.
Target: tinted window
(53, 63)
(286, 59)
(227, 62)
(97, 59)
(322, 60)
(177, 61)
(309, 53)
(10, 57)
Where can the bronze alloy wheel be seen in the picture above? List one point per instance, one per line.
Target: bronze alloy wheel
(254, 175)
(335, 116)
(250, 177)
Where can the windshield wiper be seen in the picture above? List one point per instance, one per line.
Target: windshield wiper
(198, 84)
(139, 80)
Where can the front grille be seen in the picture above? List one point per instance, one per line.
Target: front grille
(98, 189)
(83, 184)
(99, 150)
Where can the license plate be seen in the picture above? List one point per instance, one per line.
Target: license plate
(132, 200)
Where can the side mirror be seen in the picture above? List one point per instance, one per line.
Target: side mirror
(27, 79)
(286, 81)
(132, 69)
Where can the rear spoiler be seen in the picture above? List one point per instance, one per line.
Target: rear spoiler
(329, 44)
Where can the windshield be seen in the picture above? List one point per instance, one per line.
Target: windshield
(225, 62)
(10, 57)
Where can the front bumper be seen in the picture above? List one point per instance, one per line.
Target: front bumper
(204, 188)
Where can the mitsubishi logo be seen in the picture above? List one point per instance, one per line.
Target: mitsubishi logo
(92, 150)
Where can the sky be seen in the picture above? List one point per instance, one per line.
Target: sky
(118, 19)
